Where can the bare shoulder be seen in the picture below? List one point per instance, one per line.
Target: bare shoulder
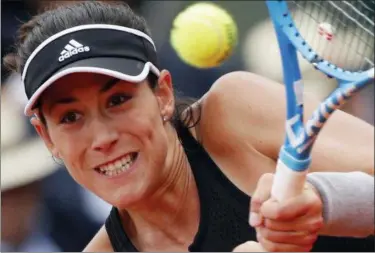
(238, 91)
(239, 103)
(235, 80)
(100, 242)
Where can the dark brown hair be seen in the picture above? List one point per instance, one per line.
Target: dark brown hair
(56, 18)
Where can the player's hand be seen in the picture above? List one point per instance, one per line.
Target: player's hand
(291, 225)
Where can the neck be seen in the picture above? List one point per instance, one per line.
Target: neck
(170, 216)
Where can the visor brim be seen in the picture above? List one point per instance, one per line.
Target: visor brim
(130, 70)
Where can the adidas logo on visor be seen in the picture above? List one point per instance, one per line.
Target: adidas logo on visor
(72, 48)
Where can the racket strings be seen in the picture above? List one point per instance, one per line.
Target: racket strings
(341, 32)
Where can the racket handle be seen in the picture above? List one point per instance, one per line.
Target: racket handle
(287, 182)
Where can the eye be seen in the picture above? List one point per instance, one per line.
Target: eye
(70, 118)
(117, 99)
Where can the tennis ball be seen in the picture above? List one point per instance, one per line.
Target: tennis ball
(204, 35)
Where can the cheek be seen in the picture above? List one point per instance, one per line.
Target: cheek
(149, 129)
(145, 120)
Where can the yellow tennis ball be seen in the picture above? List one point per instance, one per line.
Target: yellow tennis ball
(204, 35)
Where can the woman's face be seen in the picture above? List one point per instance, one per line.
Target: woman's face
(110, 135)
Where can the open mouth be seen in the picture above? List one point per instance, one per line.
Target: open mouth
(118, 166)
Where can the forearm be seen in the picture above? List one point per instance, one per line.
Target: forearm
(348, 202)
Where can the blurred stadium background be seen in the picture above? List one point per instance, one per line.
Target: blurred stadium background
(40, 204)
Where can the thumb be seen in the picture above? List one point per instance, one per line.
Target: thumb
(261, 194)
(249, 246)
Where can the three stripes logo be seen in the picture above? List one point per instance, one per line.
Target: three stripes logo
(72, 48)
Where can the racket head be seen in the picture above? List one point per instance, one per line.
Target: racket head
(347, 28)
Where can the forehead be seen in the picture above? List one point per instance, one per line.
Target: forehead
(81, 83)
(76, 81)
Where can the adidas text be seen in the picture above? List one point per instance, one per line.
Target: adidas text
(72, 48)
(73, 52)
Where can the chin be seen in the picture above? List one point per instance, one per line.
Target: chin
(129, 196)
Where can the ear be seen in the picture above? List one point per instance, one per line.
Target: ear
(164, 94)
(41, 129)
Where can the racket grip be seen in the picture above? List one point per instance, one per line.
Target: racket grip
(287, 182)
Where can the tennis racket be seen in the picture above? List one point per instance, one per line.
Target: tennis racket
(337, 38)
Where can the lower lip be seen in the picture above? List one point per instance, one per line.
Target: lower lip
(123, 173)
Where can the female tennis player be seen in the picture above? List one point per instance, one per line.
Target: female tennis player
(179, 178)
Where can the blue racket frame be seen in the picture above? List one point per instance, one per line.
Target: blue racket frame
(295, 152)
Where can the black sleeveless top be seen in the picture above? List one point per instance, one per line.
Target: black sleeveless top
(224, 211)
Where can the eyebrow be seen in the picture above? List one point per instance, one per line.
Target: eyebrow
(67, 100)
(109, 85)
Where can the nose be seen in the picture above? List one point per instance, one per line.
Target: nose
(105, 136)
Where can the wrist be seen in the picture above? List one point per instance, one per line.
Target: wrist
(316, 187)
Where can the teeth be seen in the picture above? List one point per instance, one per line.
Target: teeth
(118, 164)
(111, 167)
(124, 160)
(117, 167)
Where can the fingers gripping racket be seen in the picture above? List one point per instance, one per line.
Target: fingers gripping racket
(337, 38)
